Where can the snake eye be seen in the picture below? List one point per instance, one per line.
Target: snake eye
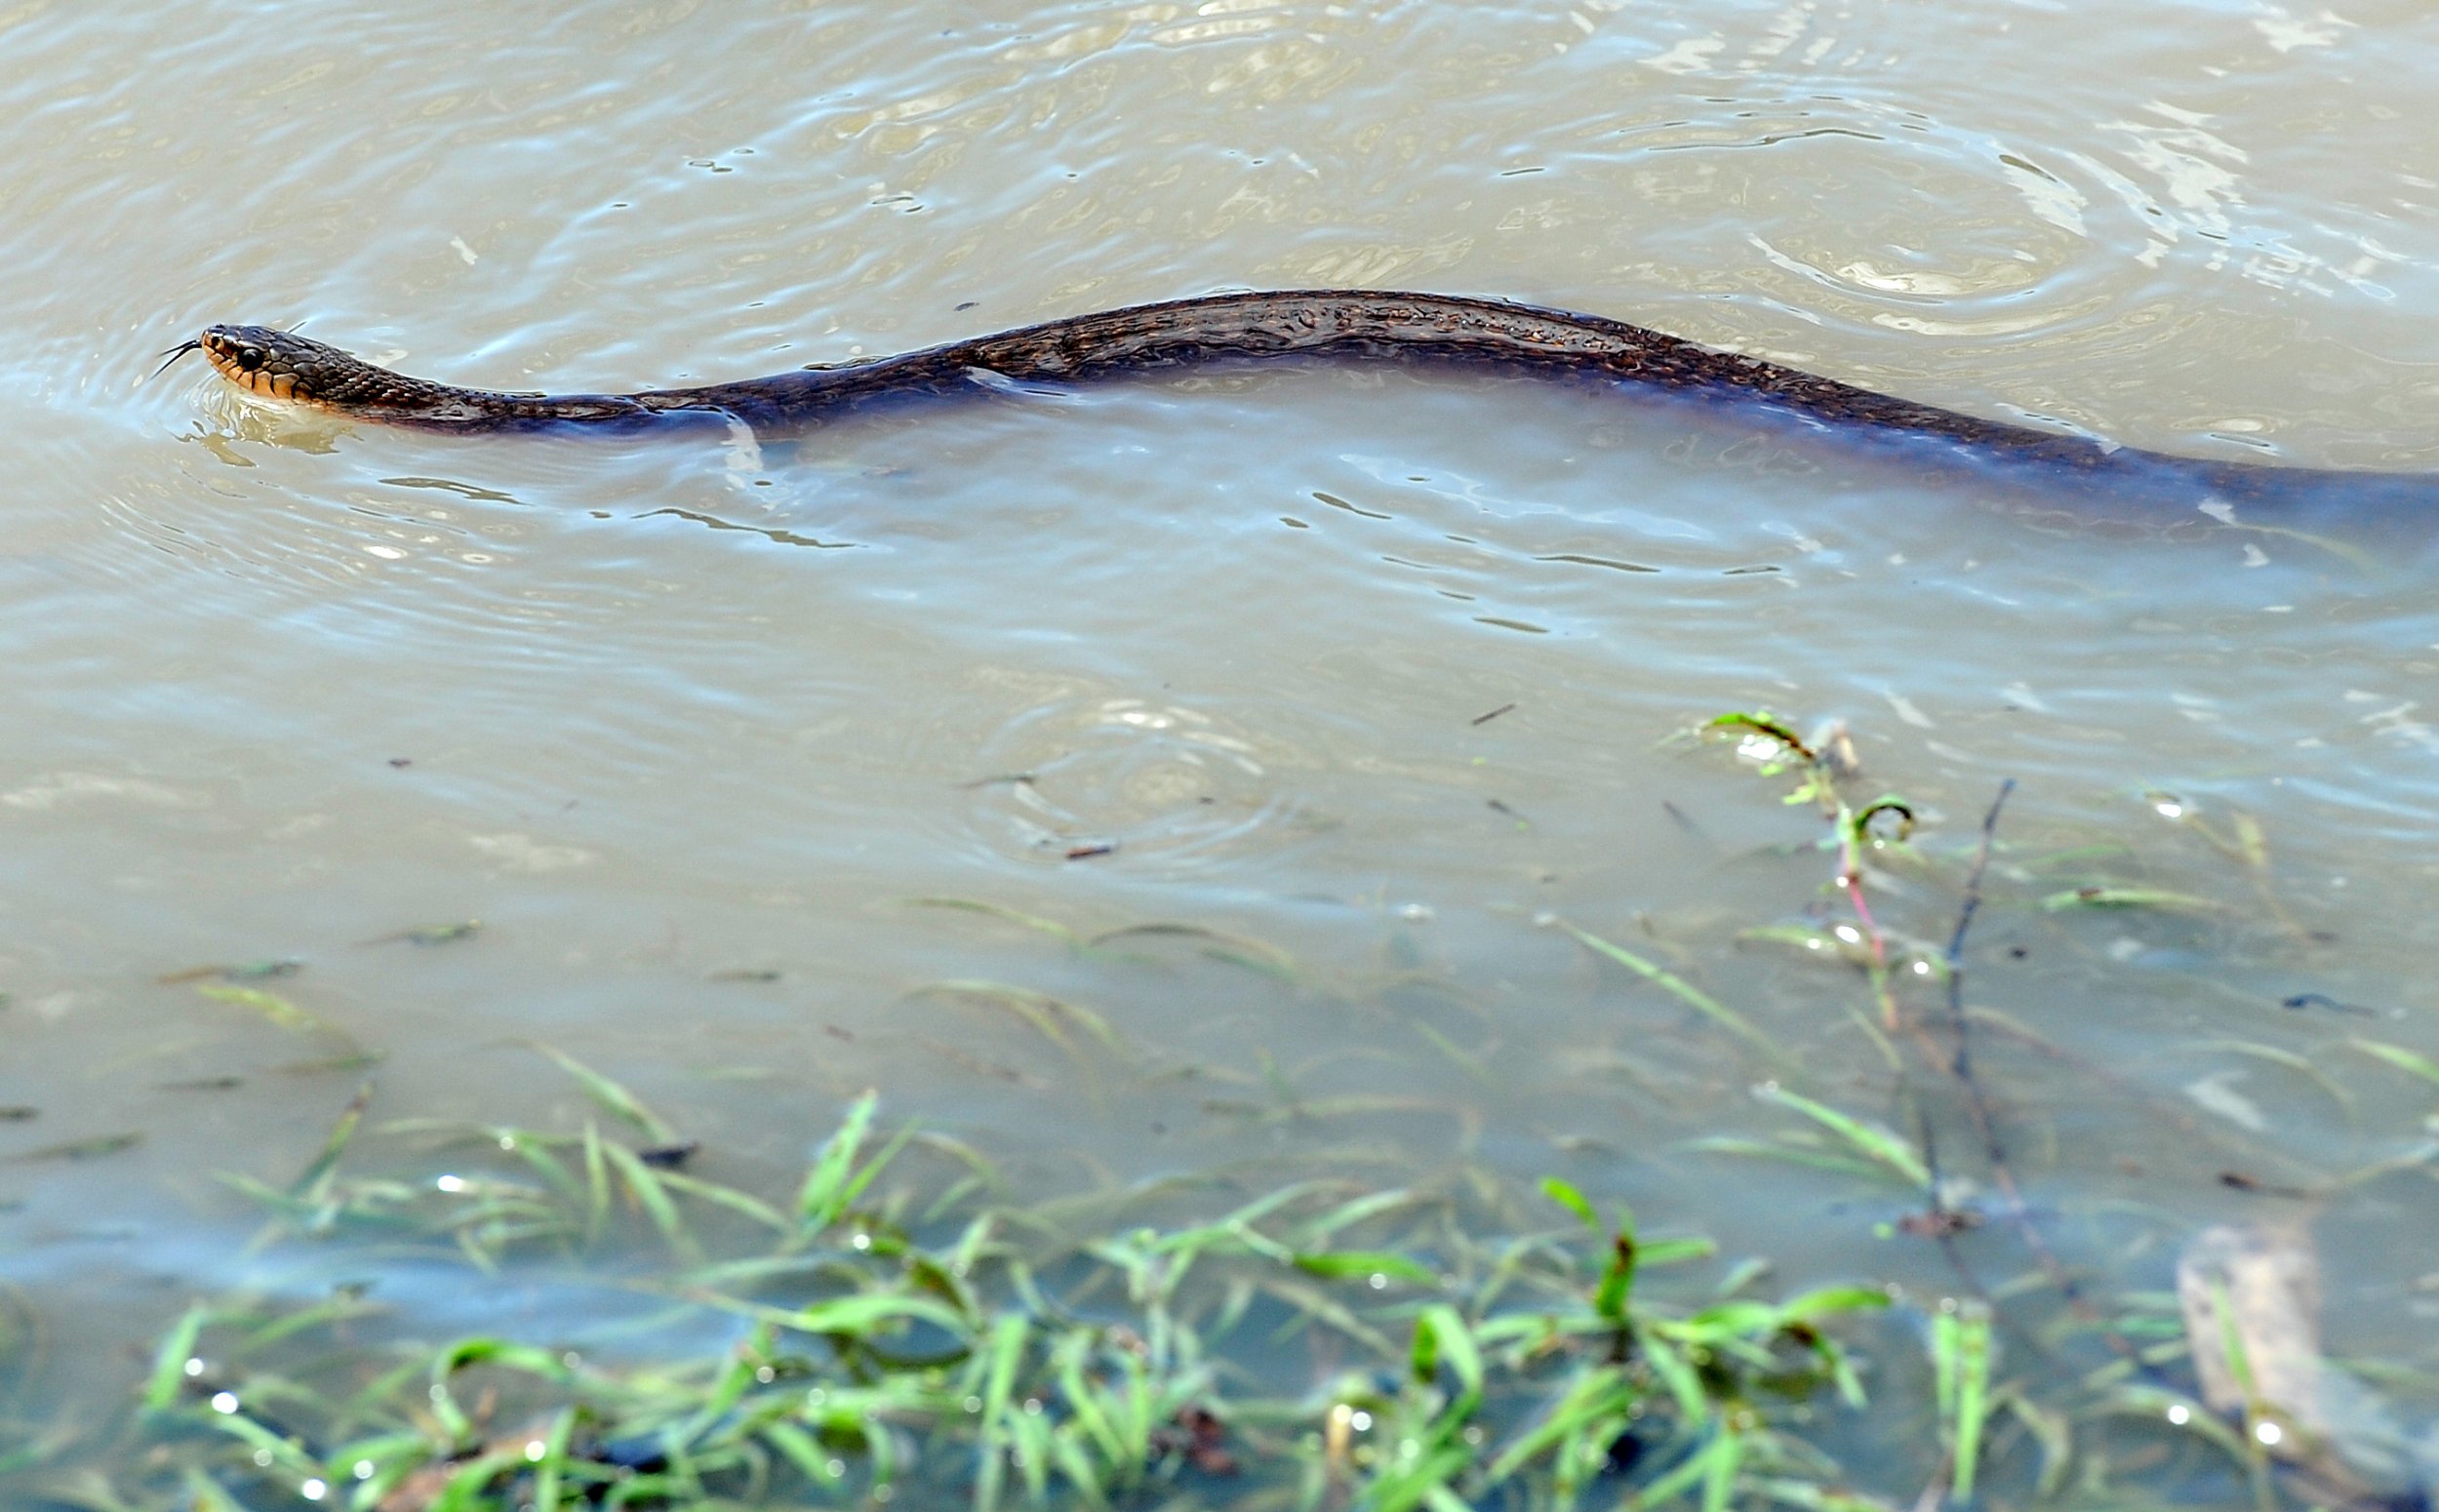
(250, 357)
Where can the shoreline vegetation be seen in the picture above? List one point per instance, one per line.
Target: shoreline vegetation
(893, 1327)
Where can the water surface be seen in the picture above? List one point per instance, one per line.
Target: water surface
(1379, 670)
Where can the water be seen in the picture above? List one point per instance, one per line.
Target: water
(1376, 670)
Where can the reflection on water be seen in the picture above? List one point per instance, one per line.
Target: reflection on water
(1270, 716)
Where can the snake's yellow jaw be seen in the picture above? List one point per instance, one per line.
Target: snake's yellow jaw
(272, 363)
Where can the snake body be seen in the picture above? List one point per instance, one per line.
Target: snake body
(1223, 328)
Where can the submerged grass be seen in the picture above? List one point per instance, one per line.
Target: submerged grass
(884, 1325)
(1678, 987)
(983, 1353)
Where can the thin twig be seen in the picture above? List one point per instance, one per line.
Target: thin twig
(1963, 1064)
(2002, 1174)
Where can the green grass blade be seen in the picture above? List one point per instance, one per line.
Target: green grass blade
(1793, 1154)
(270, 1005)
(551, 1468)
(2402, 1058)
(1722, 1460)
(1678, 1375)
(1030, 921)
(727, 1197)
(2132, 898)
(1001, 1356)
(1574, 1202)
(644, 1186)
(1972, 1399)
(596, 1182)
(1218, 945)
(1337, 1263)
(169, 1362)
(1442, 1336)
(1683, 990)
(1048, 1016)
(314, 1176)
(1833, 1300)
(1876, 1143)
(823, 1195)
(611, 1097)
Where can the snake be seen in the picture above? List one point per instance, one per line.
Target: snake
(1231, 326)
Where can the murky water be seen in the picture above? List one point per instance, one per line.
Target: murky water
(1375, 670)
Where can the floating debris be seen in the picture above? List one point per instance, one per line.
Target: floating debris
(669, 1157)
(429, 934)
(2250, 1299)
(353, 1060)
(2303, 1000)
(83, 1149)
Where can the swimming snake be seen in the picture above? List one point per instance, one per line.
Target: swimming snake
(1223, 328)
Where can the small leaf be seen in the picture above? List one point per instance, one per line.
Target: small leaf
(1574, 1202)
(1366, 1262)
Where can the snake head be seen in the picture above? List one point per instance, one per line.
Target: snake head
(276, 364)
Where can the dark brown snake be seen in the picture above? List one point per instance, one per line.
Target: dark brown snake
(1232, 327)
